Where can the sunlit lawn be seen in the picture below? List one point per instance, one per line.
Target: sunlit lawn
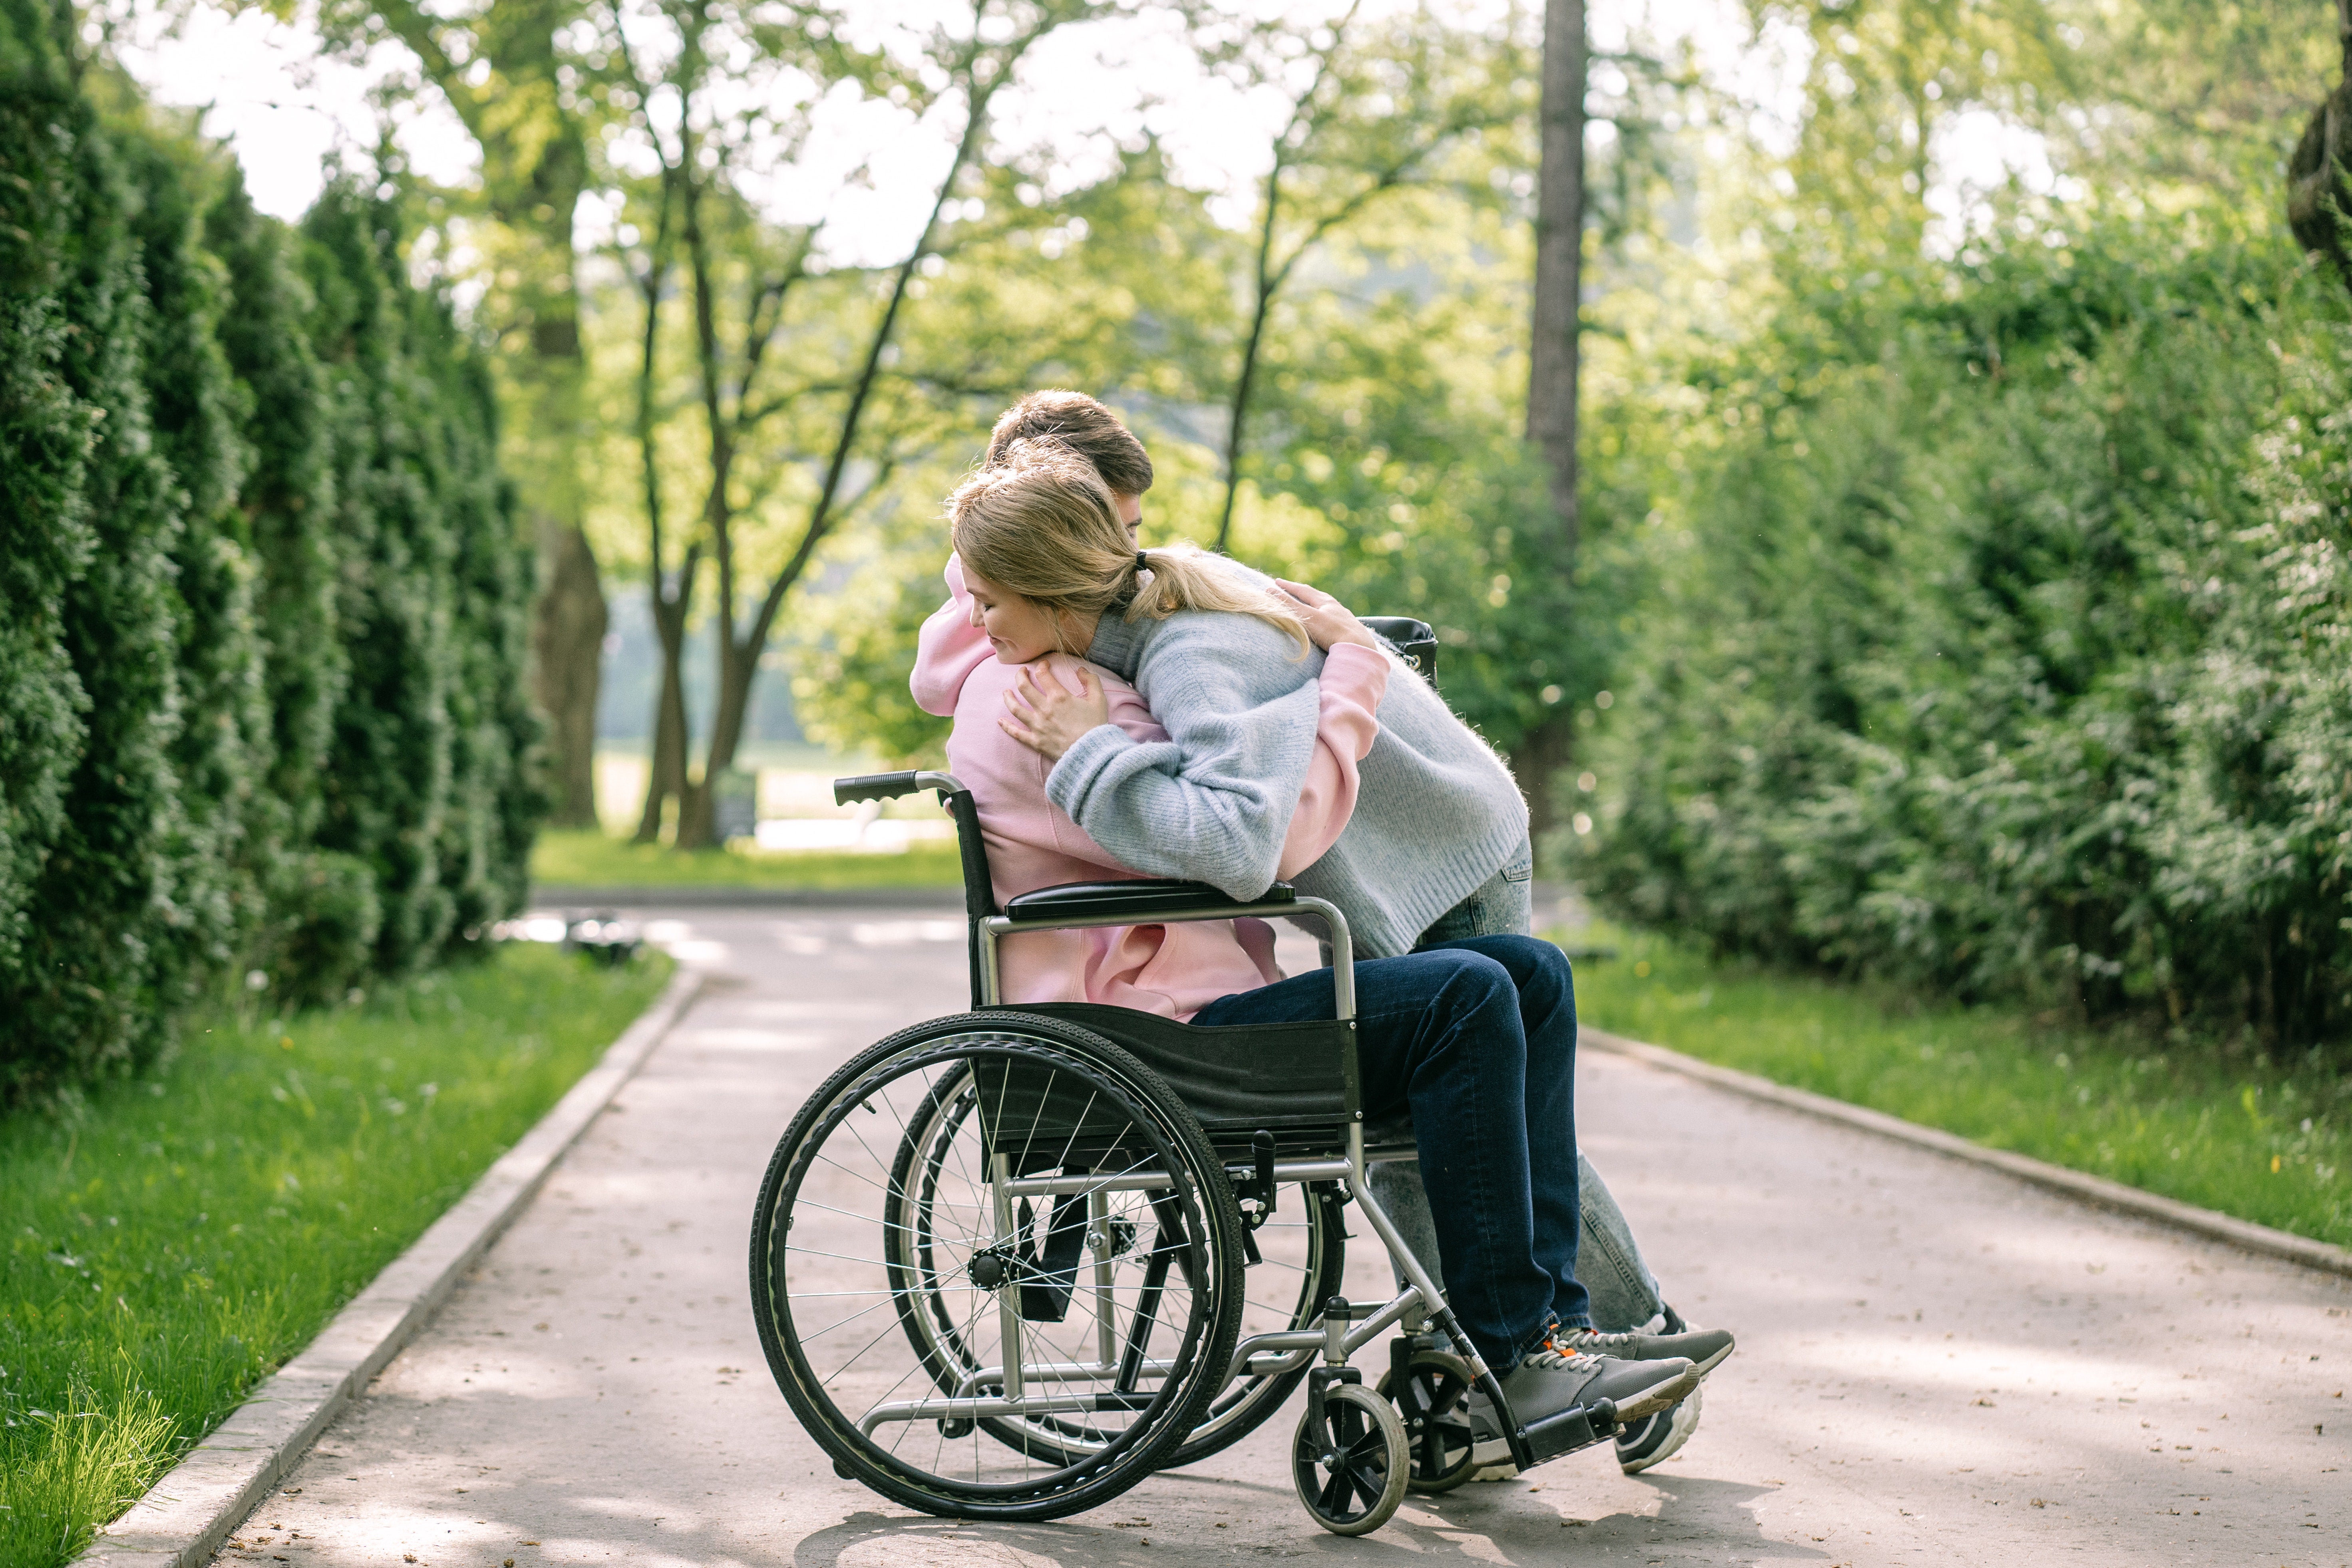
(174, 1239)
(2268, 1140)
(587, 858)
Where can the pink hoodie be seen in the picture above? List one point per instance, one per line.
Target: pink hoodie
(1174, 971)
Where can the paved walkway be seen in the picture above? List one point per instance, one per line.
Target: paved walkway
(1937, 1364)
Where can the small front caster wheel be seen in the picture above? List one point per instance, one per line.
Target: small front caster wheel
(1434, 1406)
(1350, 1460)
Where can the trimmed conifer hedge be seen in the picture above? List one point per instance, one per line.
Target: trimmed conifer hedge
(262, 598)
(2004, 645)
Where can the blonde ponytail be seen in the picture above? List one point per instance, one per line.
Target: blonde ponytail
(1042, 525)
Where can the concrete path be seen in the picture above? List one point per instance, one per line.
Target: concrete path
(1937, 1364)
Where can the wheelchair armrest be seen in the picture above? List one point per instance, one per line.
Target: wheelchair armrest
(1140, 900)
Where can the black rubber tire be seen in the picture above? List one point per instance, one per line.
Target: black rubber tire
(1437, 1427)
(1362, 1492)
(1215, 1251)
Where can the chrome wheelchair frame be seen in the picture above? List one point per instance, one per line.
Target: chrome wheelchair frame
(1209, 1131)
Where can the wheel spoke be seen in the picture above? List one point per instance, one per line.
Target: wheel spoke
(893, 1210)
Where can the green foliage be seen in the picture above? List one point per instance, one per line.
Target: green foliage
(104, 971)
(196, 407)
(171, 1242)
(287, 494)
(2002, 645)
(424, 780)
(851, 649)
(47, 432)
(261, 646)
(2265, 1140)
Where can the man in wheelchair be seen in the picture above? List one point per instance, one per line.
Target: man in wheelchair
(1477, 1033)
(1069, 1180)
(955, 646)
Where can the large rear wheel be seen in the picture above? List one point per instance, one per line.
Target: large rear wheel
(996, 1269)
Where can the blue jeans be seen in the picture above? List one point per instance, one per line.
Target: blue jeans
(1478, 1037)
(1623, 1293)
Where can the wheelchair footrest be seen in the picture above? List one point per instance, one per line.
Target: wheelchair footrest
(1570, 1430)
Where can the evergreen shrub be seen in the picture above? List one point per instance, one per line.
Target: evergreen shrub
(262, 716)
(2003, 643)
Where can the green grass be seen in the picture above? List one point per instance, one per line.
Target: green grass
(173, 1241)
(584, 857)
(2266, 1139)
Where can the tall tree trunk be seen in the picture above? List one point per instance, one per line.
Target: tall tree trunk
(665, 776)
(1553, 358)
(1246, 380)
(2318, 196)
(739, 668)
(665, 772)
(572, 616)
(1559, 267)
(567, 638)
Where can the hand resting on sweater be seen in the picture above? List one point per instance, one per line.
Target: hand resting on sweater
(1046, 716)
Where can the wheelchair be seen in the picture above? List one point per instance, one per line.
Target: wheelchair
(1007, 1264)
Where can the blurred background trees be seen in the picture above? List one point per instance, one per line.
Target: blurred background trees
(1877, 467)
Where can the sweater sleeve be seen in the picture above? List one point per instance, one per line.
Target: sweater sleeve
(1214, 802)
(948, 649)
(1130, 718)
(1354, 681)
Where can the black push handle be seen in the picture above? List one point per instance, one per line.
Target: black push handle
(1413, 640)
(876, 787)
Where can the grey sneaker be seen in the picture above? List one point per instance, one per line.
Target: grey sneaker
(1550, 1380)
(1703, 1348)
(1655, 1439)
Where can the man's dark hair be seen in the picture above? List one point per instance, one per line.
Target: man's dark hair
(1084, 426)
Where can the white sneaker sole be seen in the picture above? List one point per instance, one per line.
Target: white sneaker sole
(1665, 1395)
(1682, 1423)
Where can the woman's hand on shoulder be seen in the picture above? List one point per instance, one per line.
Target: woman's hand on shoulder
(1045, 715)
(1328, 622)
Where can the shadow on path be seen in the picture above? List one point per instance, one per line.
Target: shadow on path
(1699, 1521)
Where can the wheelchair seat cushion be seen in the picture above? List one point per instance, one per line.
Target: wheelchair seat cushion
(1391, 1134)
(1284, 1079)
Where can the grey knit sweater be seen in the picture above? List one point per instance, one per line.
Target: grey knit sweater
(1436, 812)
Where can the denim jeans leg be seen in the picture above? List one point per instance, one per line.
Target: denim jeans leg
(1546, 992)
(1609, 1262)
(1440, 1032)
(1396, 1185)
(1624, 1292)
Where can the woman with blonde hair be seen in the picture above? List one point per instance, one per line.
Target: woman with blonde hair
(1175, 970)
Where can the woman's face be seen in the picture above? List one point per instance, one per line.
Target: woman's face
(1019, 629)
